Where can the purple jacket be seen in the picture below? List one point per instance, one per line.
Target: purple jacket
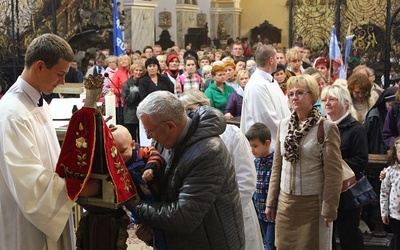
(234, 105)
(391, 128)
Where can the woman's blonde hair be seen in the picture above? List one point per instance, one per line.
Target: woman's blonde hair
(240, 74)
(124, 57)
(305, 81)
(338, 92)
(293, 54)
(194, 96)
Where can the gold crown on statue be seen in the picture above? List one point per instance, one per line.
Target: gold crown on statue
(93, 82)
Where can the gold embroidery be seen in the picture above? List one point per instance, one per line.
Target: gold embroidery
(81, 144)
(120, 170)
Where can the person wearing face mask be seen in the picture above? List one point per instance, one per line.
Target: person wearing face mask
(130, 93)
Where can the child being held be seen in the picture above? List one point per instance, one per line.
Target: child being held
(390, 191)
(259, 137)
(145, 164)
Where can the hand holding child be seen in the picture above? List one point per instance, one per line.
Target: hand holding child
(148, 175)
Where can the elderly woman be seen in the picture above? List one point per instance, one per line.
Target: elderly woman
(242, 158)
(305, 183)
(354, 149)
(112, 62)
(359, 86)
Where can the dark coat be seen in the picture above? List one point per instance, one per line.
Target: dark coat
(200, 206)
(147, 86)
(130, 93)
(391, 127)
(354, 144)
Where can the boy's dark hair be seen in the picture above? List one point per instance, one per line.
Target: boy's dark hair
(258, 131)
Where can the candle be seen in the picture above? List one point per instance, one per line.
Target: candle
(110, 106)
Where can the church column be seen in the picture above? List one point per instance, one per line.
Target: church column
(229, 14)
(186, 17)
(139, 23)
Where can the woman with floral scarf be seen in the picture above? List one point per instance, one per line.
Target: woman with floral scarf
(306, 177)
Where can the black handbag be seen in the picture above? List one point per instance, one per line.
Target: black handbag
(360, 195)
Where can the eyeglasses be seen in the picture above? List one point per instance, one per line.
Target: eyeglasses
(298, 94)
(150, 134)
(330, 100)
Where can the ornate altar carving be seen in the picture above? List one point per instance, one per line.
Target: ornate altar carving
(201, 19)
(368, 37)
(164, 20)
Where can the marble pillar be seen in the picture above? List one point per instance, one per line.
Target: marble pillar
(186, 17)
(139, 23)
(227, 13)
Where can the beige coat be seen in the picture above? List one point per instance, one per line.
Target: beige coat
(306, 192)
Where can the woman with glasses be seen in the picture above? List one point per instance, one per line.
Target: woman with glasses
(359, 86)
(306, 177)
(112, 62)
(354, 149)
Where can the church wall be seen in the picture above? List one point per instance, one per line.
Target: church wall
(255, 12)
(170, 6)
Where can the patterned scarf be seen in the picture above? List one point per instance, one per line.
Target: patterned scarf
(296, 133)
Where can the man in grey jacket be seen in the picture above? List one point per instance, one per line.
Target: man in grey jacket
(200, 206)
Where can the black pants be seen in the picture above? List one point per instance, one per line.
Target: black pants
(133, 129)
(395, 225)
(346, 226)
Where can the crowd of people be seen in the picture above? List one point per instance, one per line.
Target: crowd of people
(266, 184)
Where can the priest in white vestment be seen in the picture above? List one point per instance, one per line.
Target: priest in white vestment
(263, 99)
(34, 206)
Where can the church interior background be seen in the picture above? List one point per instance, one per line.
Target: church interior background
(88, 23)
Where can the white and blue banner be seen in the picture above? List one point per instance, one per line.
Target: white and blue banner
(335, 55)
(118, 41)
(349, 42)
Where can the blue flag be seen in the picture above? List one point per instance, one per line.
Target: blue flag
(335, 55)
(349, 41)
(334, 50)
(118, 41)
